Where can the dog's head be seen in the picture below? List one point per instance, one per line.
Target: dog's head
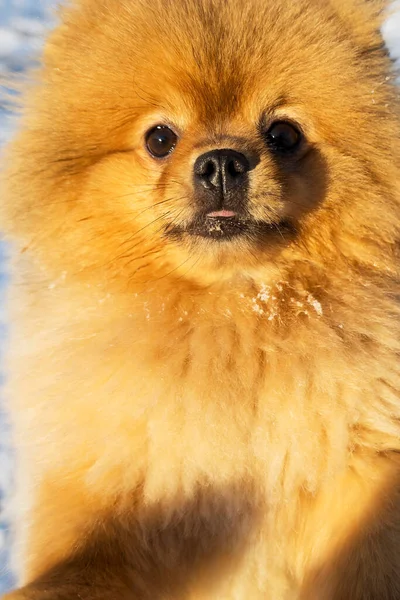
(205, 137)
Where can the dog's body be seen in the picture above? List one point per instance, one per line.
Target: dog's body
(201, 417)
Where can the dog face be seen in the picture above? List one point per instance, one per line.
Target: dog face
(209, 138)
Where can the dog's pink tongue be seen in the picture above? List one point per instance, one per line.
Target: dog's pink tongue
(222, 213)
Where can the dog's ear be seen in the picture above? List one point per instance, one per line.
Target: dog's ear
(364, 19)
(371, 6)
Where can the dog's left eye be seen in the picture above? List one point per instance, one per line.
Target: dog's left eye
(283, 137)
(160, 141)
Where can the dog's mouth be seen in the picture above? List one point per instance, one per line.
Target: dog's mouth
(227, 225)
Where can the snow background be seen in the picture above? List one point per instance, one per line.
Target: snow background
(23, 24)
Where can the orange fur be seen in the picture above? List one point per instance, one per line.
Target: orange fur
(200, 419)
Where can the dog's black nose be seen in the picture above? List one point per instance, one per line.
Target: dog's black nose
(221, 171)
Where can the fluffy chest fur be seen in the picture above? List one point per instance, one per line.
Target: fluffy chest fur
(245, 378)
(253, 398)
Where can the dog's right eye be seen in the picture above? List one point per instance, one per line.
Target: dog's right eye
(160, 141)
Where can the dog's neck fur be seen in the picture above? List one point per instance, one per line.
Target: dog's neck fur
(317, 361)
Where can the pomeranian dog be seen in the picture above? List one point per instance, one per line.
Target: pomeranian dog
(203, 205)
